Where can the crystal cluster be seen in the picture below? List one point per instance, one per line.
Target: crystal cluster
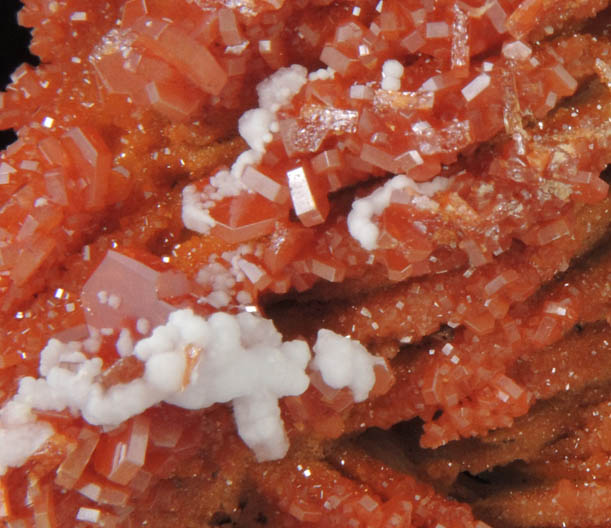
(426, 166)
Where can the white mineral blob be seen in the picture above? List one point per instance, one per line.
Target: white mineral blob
(344, 362)
(239, 358)
(256, 126)
(361, 224)
(20, 435)
(192, 362)
(392, 71)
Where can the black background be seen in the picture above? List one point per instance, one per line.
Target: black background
(14, 42)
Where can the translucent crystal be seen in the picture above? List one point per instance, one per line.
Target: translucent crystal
(132, 11)
(43, 505)
(5, 505)
(328, 269)
(305, 512)
(257, 181)
(182, 51)
(327, 160)
(245, 217)
(229, 28)
(92, 158)
(337, 60)
(299, 137)
(176, 101)
(286, 243)
(101, 491)
(120, 456)
(71, 469)
(133, 282)
(309, 196)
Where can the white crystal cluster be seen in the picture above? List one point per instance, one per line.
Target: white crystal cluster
(192, 362)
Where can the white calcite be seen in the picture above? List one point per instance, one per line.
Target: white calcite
(238, 358)
(256, 127)
(192, 362)
(344, 362)
(361, 219)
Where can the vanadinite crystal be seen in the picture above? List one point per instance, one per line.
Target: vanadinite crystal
(412, 179)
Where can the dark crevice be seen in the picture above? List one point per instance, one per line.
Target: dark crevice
(6, 138)
(14, 41)
(14, 50)
(220, 518)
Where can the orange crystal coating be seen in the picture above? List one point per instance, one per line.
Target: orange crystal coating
(133, 100)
